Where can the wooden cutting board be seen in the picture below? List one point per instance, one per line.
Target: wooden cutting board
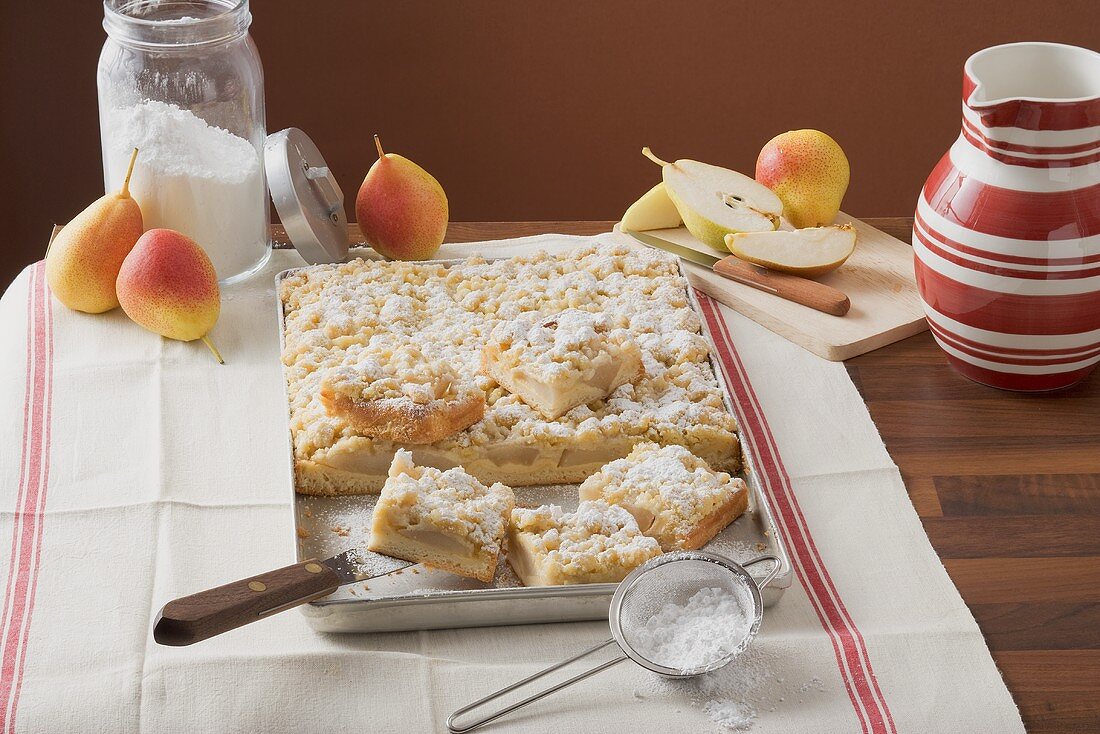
(878, 279)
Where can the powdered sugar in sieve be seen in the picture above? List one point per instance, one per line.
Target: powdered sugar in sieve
(679, 615)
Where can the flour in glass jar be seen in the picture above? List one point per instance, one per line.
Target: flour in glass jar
(195, 178)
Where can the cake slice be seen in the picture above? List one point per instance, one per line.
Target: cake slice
(596, 544)
(402, 397)
(444, 519)
(674, 496)
(556, 363)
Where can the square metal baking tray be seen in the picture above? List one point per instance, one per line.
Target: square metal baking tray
(423, 598)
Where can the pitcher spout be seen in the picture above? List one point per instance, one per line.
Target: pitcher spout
(1034, 86)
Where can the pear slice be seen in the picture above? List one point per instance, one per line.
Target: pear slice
(714, 202)
(807, 252)
(653, 211)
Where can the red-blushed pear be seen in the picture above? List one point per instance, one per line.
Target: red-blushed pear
(401, 209)
(809, 172)
(83, 261)
(168, 285)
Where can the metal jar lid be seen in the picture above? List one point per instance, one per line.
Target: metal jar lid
(307, 197)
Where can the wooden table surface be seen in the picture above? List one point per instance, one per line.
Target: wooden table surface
(1008, 489)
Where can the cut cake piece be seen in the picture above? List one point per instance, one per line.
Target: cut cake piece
(444, 519)
(674, 496)
(402, 397)
(559, 362)
(599, 543)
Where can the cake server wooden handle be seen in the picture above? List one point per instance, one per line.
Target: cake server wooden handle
(808, 292)
(211, 612)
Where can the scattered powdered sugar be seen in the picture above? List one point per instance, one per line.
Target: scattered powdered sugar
(712, 624)
(734, 695)
(730, 714)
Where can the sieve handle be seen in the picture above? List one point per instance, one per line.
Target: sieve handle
(455, 729)
(778, 565)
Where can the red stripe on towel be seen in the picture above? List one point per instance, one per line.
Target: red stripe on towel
(31, 499)
(848, 644)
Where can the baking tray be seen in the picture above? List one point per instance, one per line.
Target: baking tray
(424, 598)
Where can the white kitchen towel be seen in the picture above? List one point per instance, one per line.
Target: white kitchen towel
(134, 470)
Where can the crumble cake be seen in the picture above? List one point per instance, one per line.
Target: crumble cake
(558, 362)
(444, 519)
(673, 495)
(402, 396)
(341, 315)
(599, 543)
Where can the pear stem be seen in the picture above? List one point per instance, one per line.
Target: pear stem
(378, 144)
(213, 350)
(125, 192)
(649, 154)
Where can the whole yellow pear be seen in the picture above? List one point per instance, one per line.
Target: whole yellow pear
(809, 172)
(168, 285)
(401, 209)
(83, 261)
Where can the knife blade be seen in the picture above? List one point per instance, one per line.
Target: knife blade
(193, 618)
(800, 290)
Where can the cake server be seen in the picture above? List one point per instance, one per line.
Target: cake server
(199, 616)
(807, 292)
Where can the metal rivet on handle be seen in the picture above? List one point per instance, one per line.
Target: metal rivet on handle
(313, 567)
(257, 585)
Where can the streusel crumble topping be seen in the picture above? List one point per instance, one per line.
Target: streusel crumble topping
(595, 537)
(347, 317)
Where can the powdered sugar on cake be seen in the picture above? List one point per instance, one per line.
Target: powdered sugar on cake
(671, 483)
(558, 347)
(452, 500)
(343, 315)
(593, 540)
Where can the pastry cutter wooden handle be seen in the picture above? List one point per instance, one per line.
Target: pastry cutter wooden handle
(200, 616)
(807, 292)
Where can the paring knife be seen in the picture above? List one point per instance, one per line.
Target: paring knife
(211, 612)
(808, 292)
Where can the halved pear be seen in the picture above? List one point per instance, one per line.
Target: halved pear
(653, 211)
(807, 252)
(715, 202)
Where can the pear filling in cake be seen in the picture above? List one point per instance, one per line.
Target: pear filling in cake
(599, 543)
(557, 363)
(673, 495)
(444, 519)
(402, 396)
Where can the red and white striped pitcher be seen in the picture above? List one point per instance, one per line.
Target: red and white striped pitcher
(1007, 232)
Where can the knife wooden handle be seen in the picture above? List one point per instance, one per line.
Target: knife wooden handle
(808, 292)
(211, 612)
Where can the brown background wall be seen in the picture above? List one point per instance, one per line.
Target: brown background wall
(526, 109)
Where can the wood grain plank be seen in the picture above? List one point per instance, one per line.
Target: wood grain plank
(996, 455)
(925, 376)
(1052, 670)
(1057, 712)
(1019, 536)
(919, 349)
(966, 418)
(1016, 580)
(923, 494)
(1031, 494)
(1039, 625)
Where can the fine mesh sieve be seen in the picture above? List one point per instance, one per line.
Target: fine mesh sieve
(678, 615)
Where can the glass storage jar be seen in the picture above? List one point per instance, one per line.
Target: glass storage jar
(181, 81)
